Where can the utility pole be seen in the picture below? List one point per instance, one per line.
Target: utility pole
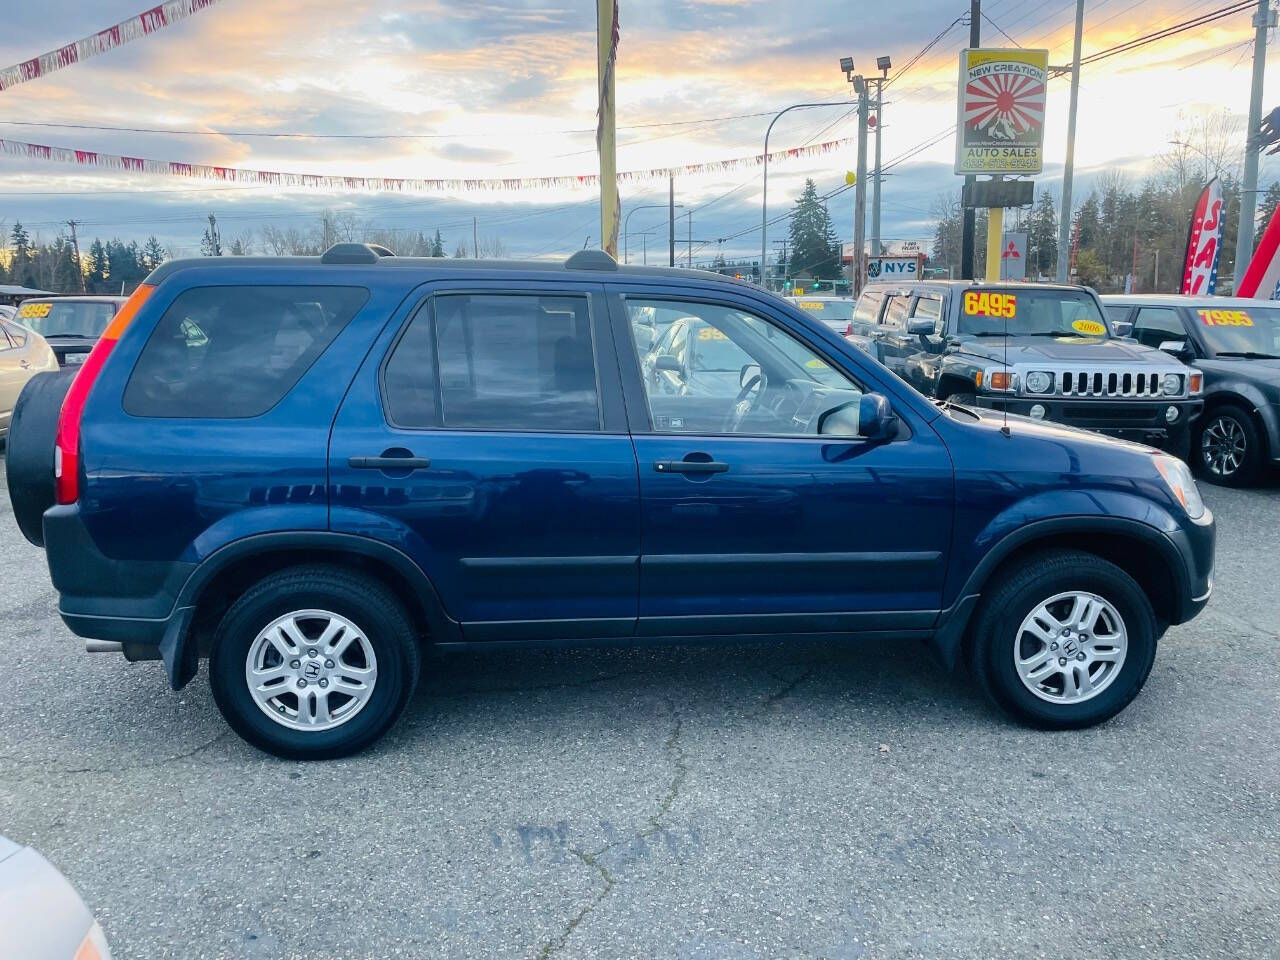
(690, 215)
(606, 131)
(1263, 19)
(969, 221)
(884, 64)
(1064, 219)
(475, 240)
(671, 220)
(860, 188)
(75, 252)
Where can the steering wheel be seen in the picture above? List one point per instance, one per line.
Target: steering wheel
(744, 403)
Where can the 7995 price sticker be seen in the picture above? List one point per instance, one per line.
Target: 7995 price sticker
(990, 304)
(1225, 318)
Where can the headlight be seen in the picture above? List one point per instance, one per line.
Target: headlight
(1172, 384)
(1039, 382)
(1177, 477)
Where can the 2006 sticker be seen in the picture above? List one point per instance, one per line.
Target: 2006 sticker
(1090, 328)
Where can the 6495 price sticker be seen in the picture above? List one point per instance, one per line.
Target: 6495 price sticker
(984, 304)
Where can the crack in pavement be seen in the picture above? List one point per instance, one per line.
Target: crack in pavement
(653, 825)
(19, 761)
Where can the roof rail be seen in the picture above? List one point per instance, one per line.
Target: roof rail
(355, 253)
(591, 260)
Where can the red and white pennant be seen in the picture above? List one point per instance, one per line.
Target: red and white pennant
(202, 171)
(144, 24)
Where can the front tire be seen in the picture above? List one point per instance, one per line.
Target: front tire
(1228, 447)
(313, 663)
(1064, 640)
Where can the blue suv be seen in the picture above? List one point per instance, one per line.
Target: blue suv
(311, 470)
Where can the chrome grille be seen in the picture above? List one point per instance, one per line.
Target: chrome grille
(1108, 383)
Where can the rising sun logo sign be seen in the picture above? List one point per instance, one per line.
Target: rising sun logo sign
(1001, 111)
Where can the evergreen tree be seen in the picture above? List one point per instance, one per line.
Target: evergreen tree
(1042, 238)
(461, 252)
(210, 242)
(152, 254)
(66, 274)
(814, 249)
(21, 266)
(96, 281)
(437, 245)
(237, 248)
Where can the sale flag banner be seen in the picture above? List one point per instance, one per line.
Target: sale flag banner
(1261, 279)
(1000, 122)
(1204, 242)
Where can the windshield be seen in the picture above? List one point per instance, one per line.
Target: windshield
(1252, 330)
(826, 309)
(1030, 311)
(74, 318)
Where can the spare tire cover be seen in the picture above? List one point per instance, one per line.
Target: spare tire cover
(29, 459)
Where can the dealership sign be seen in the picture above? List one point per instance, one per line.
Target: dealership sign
(1001, 111)
(889, 268)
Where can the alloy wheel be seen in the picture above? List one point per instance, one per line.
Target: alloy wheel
(311, 670)
(1223, 446)
(1070, 648)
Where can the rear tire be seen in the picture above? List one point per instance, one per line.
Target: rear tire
(1227, 448)
(1049, 668)
(29, 446)
(314, 662)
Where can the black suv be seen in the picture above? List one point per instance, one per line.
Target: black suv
(1043, 350)
(1236, 342)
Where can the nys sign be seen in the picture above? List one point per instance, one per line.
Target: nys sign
(886, 268)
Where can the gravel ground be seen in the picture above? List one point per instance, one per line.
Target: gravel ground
(822, 801)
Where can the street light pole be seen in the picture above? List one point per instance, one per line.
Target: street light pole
(626, 222)
(764, 203)
(884, 63)
(1262, 20)
(860, 189)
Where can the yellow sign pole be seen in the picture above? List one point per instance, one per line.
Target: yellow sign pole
(995, 236)
(606, 135)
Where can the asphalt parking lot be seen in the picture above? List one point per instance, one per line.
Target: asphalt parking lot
(825, 801)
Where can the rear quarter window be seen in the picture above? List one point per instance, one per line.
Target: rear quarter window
(234, 352)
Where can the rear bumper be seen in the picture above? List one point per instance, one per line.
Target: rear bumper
(133, 602)
(1130, 419)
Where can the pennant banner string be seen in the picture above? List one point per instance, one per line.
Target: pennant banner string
(143, 25)
(201, 171)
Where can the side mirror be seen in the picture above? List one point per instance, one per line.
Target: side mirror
(869, 417)
(1122, 328)
(748, 372)
(921, 326)
(1177, 348)
(668, 363)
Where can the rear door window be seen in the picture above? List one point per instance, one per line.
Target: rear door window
(896, 312)
(233, 352)
(495, 362)
(868, 309)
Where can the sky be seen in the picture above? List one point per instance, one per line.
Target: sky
(507, 89)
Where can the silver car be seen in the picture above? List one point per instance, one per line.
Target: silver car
(23, 354)
(41, 915)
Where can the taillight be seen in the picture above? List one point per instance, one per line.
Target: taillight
(848, 331)
(66, 454)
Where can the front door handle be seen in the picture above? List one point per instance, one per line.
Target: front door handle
(689, 466)
(388, 463)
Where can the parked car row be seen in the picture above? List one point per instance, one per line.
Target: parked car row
(43, 334)
(346, 459)
(1199, 377)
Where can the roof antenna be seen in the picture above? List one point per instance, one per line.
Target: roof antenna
(1004, 313)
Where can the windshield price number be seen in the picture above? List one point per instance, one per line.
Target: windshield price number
(711, 333)
(811, 305)
(36, 310)
(1225, 318)
(990, 304)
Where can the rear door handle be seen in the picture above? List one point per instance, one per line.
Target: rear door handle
(689, 466)
(388, 463)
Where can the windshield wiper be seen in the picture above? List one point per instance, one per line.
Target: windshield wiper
(1247, 354)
